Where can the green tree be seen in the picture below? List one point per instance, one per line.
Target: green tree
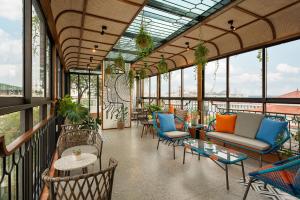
(82, 85)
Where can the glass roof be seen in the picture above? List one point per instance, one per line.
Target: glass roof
(164, 20)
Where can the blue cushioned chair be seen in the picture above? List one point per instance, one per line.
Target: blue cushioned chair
(175, 137)
(284, 175)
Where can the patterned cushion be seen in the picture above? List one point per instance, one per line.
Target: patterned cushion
(183, 114)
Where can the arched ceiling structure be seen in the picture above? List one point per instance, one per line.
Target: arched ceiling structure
(257, 23)
(79, 24)
(171, 23)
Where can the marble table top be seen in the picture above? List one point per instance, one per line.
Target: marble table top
(68, 163)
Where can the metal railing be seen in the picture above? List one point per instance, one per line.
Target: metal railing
(24, 160)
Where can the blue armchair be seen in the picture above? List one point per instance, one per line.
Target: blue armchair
(174, 138)
(284, 175)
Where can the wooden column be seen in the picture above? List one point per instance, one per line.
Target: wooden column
(200, 73)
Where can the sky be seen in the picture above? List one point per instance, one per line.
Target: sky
(283, 67)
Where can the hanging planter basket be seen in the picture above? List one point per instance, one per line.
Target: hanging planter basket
(130, 78)
(120, 63)
(201, 53)
(162, 68)
(143, 40)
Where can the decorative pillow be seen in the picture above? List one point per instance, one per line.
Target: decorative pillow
(247, 124)
(167, 122)
(225, 123)
(269, 130)
(171, 109)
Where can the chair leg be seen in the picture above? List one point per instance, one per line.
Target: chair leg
(248, 187)
(174, 151)
(265, 186)
(143, 131)
(260, 160)
(158, 143)
(278, 155)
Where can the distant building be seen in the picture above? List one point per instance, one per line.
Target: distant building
(10, 90)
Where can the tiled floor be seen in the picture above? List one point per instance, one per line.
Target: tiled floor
(145, 173)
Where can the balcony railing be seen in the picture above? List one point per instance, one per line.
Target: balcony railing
(24, 160)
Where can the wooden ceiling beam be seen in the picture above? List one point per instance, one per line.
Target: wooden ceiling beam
(85, 2)
(84, 40)
(84, 54)
(89, 15)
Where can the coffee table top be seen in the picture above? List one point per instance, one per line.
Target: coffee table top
(215, 152)
(68, 163)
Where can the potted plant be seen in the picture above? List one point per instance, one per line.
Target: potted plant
(153, 108)
(120, 63)
(130, 78)
(209, 145)
(143, 40)
(71, 111)
(200, 54)
(162, 67)
(121, 117)
(76, 154)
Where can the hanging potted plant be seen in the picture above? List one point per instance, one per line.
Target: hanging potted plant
(142, 74)
(109, 71)
(162, 68)
(130, 78)
(201, 53)
(120, 63)
(143, 39)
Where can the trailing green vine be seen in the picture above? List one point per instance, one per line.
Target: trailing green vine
(162, 67)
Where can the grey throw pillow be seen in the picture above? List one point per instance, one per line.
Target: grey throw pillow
(247, 124)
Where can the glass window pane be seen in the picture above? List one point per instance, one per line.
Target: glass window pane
(210, 108)
(283, 70)
(11, 48)
(74, 87)
(38, 48)
(164, 86)
(245, 78)
(48, 67)
(189, 82)
(83, 92)
(36, 115)
(175, 83)
(146, 87)
(153, 86)
(10, 126)
(190, 105)
(215, 79)
(93, 94)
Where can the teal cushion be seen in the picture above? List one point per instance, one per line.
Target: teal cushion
(269, 130)
(167, 122)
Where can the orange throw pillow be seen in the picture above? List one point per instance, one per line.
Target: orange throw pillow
(171, 109)
(225, 123)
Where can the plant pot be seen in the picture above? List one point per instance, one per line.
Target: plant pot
(120, 124)
(76, 156)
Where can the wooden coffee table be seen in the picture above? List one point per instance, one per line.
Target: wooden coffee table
(222, 156)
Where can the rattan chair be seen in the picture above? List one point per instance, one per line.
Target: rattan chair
(97, 185)
(70, 127)
(86, 137)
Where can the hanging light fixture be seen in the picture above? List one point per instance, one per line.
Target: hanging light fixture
(230, 22)
(95, 48)
(91, 59)
(103, 29)
(187, 46)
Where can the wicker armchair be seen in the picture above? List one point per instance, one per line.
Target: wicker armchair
(90, 139)
(90, 186)
(70, 127)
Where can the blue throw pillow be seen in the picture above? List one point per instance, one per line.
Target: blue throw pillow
(269, 130)
(167, 122)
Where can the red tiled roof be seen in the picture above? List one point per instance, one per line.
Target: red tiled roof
(294, 94)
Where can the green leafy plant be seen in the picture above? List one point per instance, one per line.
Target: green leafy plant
(91, 123)
(153, 108)
(200, 54)
(142, 74)
(122, 113)
(120, 63)
(162, 67)
(143, 40)
(130, 78)
(72, 111)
